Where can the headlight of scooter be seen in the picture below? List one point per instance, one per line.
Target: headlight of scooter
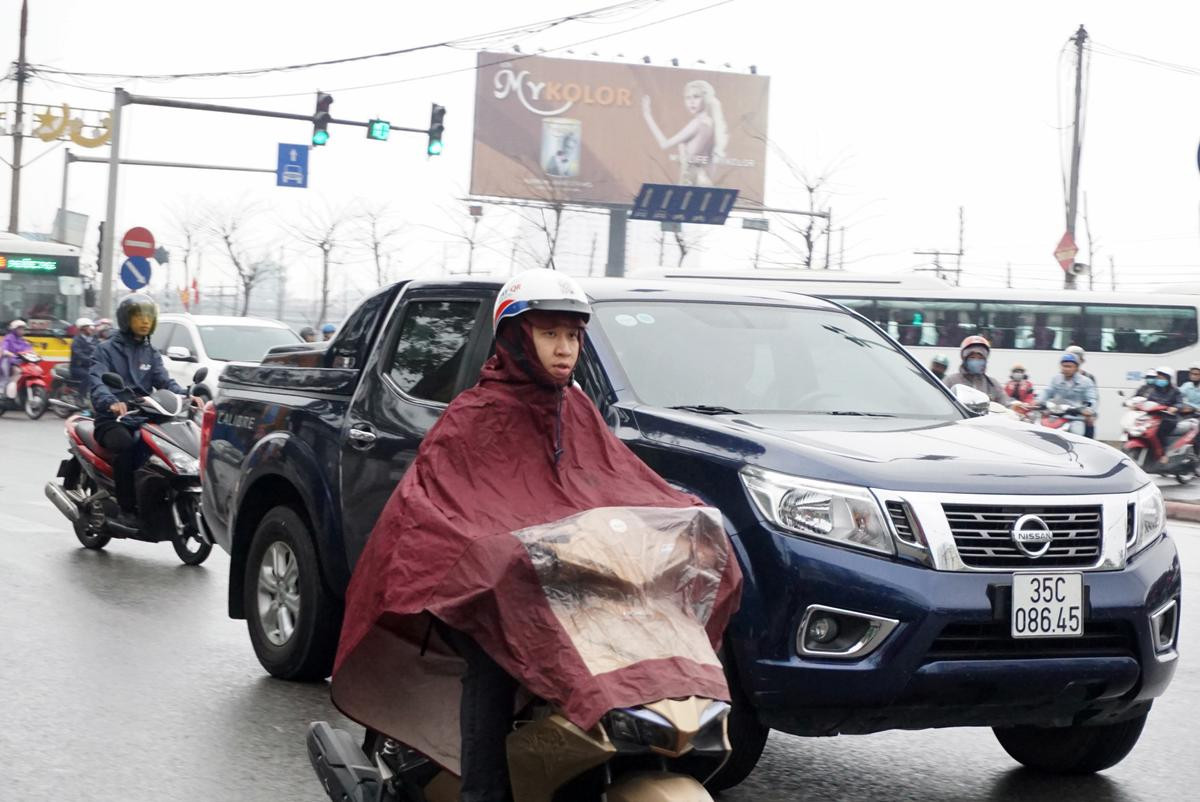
(1149, 521)
(184, 463)
(845, 514)
(640, 728)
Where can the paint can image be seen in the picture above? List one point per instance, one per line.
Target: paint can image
(562, 142)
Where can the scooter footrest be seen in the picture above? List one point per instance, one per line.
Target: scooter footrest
(344, 771)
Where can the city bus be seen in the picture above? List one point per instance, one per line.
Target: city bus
(1124, 334)
(40, 284)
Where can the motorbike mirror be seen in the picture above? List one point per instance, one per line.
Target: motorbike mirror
(975, 401)
(113, 380)
(202, 391)
(199, 375)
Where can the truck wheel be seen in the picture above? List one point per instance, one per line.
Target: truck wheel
(294, 622)
(747, 736)
(1071, 750)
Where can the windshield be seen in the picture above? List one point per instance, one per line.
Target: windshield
(244, 343)
(39, 301)
(724, 357)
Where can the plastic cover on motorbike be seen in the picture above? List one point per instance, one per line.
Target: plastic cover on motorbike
(526, 524)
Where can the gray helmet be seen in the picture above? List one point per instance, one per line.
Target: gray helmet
(139, 303)
(942, 359)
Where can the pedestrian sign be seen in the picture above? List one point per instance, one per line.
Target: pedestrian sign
(683, 204)
(135, 272)
(291, 169)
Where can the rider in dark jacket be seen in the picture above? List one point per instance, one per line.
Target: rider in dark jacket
(130, 355)
(83, 349)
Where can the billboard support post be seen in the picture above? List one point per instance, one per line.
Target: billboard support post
(617, 221)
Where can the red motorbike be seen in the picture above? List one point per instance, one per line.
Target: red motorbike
(30, 391)
(1141, 425)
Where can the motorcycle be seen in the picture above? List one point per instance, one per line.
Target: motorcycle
(1058, 415)
(65, 397)
(27, 390)
(1141, 425)
(167, 482)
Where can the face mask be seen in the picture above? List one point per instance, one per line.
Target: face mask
(976, 365)
(1161, 382)
(1017, 375)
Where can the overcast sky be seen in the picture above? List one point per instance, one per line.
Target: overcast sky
(910, 109)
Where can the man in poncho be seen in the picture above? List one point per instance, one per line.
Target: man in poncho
(518, 485)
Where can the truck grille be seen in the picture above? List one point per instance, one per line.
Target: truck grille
(993, 641)
(898, 512)
(983, 535)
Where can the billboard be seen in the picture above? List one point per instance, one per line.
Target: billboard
(573, 131)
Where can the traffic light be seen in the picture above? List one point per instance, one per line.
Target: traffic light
(321, 119)
(435, 130)
(378, 129)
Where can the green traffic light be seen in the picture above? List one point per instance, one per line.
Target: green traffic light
(379, 129)
(435, 147)
(320, 137)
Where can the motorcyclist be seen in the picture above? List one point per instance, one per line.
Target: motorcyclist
(130, 355)
(327, 331)
(1167, 394)
(525, 418)
(939, 366)
(308, 334)
(1190, 390)
(104, 330)
(83, 348)
(1019, 385)
(1072, 388)
(1147, 384)
(973, 373)
(1078, 351)
(13, 343)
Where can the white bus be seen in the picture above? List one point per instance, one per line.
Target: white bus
(1124, 334)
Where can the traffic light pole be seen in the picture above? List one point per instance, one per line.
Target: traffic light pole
(121, 99)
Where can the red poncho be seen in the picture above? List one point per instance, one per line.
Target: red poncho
(519, 497)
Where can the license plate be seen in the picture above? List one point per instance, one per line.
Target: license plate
(1047, 605)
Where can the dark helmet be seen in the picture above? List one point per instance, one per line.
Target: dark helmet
(308, 331)
(137, 303)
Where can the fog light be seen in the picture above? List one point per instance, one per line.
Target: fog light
(843, 634)
(822, 629)
(1164, 627)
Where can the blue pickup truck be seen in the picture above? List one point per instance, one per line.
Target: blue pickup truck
(907, 564)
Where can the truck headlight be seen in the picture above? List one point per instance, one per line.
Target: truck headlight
(845, 514)
(1150, 520)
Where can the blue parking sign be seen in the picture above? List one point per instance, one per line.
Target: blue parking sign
(291, 169)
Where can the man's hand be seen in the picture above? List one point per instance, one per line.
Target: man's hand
(1089, 414)
(1019, 407)
(197, 401)
(1172, 410)
(118, 408)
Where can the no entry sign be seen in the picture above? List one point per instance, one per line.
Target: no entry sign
(138, 241)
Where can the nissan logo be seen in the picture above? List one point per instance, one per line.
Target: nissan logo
(1032, 535)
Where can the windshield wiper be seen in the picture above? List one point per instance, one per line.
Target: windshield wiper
(856, 413)
(706, 409)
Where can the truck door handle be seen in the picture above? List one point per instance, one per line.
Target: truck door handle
(363, 438)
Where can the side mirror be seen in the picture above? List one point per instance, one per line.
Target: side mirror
(202, 391)
(199, 375)
(977, 403)
(113, 381)
(180, 353)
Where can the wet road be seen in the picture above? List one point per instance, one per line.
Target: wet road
(122, 679)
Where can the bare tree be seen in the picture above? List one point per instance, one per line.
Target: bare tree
(377, 232)
(228, 227)
(189, 222)
(323, 229)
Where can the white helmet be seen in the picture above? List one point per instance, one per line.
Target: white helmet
(540, 290)
(16, 324)
(1077, 351)
(1165, 369)
(84, 322)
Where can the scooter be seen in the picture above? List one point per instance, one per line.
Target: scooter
(167, 482)
(1057, 415)
(1141, 425)
(65, 397)
(27, 390)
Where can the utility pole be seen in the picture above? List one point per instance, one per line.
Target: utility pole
(14, 203)
(959, 255)
(1112, 273)
(828, 236)
(1076, 145)
(1008, 277)
(842, 248)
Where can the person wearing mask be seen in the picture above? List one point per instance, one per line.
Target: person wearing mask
(327, 331)
(130, 355)
(1165, 393)
(939, 366)
(522, 447)
(13, 343)
(973, 373)
(308, 334)
(1073, 388)
(83, 347)
(1081, 356)
(1147, 384)
(1019, 386)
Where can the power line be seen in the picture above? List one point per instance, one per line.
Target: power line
(1113, 52)
(504, 33)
